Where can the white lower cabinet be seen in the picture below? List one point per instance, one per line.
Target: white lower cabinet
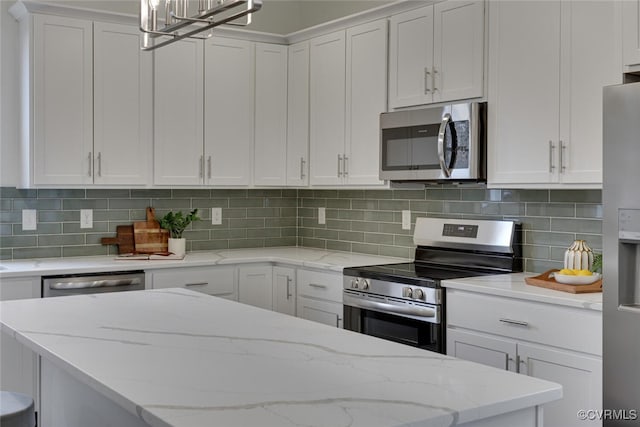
(320, 297)
(554, 343)
(18, 364)
(255, 286)
(220, 281)
(284, 290)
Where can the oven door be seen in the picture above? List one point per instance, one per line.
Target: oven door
(412, 323)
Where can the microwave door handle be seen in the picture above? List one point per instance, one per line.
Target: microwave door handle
(443, 128)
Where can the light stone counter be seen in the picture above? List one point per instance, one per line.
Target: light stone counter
(302, 257)
(514, 286)
(174, 357)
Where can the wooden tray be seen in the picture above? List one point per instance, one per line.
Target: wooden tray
(124, 239)
(544, 281)
(148, 236)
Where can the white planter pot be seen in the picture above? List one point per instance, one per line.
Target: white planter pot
(178, 246)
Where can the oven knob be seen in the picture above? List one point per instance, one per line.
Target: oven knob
(418, 294)
(364, 285)
(407, 292)
(354, 283)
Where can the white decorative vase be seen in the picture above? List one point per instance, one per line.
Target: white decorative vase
(579, 256)
(177, 246)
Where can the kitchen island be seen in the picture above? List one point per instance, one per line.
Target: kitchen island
(174, 357)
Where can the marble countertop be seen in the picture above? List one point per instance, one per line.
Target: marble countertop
(514, 286)
(173, 358)
(302, 257)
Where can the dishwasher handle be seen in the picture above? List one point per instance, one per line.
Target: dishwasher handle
(92, 284)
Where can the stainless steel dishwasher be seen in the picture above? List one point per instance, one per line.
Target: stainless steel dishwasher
(92, 283)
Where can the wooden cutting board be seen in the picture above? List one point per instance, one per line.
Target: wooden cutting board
(544, 281)
(124, 239)
(149, 238)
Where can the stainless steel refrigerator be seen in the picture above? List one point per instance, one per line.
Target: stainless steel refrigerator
(621, 255)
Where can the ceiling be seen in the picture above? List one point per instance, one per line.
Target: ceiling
(276, 16)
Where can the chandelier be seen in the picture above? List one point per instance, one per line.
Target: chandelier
(166, 21)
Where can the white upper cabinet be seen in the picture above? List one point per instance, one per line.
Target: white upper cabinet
(228, 111)
(347, 95)
(631, 32)
(86, 94)
(545, 111)
(123, 108)
(61, 102)
(366, 98)
(298, 115)
(178, 114)
(270, 151)
(436, 53)
(327, 108)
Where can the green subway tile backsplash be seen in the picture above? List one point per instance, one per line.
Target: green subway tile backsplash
(366, 221)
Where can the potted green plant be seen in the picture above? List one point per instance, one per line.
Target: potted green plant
(176, 223)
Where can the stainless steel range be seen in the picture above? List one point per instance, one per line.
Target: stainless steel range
(405, 302)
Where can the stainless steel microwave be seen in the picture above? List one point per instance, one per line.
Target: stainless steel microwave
(446, 143)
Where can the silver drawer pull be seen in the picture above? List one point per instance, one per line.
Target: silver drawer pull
(315, 285)
(197, 284)
(515, 322)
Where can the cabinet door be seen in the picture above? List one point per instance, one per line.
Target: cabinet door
(284, 290)
(579, 375)
(327, 108)
(123, 93)
(178, 114)
(255, 286)
(589, 30)
(458, 50)
(488, 350)
(329, 313)
(298, 115)
(62, 121)
(228, 106)
(411, 58)
(366, 98)
(270, 147)
(219, 281)
(631, 32)
(18, 364)
(524, 83)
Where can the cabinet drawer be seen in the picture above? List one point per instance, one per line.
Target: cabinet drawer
(327, 286)
(218, 281)
(565, 327)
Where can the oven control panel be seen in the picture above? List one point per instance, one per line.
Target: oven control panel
(393, 289)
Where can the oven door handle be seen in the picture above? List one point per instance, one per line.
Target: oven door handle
(90, 284)
(407, 309)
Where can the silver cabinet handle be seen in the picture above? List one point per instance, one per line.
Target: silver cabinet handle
(209, 167)
(196, 284)
(506, 362)
(345, 167)
(338, 320)
(339, 165)
(302, 162)
(443, 127)
(433, 77)
(515, 322)
(99, 163)
(200, 166)
(427, 76)
(551, 150)
(289, 287)
(563, 147)
(90, 163)
(317, 286)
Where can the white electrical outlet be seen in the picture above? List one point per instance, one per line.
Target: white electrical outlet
(406, 220)
(216, 216)
(29, 219)
(322, 216)
(86, 218)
